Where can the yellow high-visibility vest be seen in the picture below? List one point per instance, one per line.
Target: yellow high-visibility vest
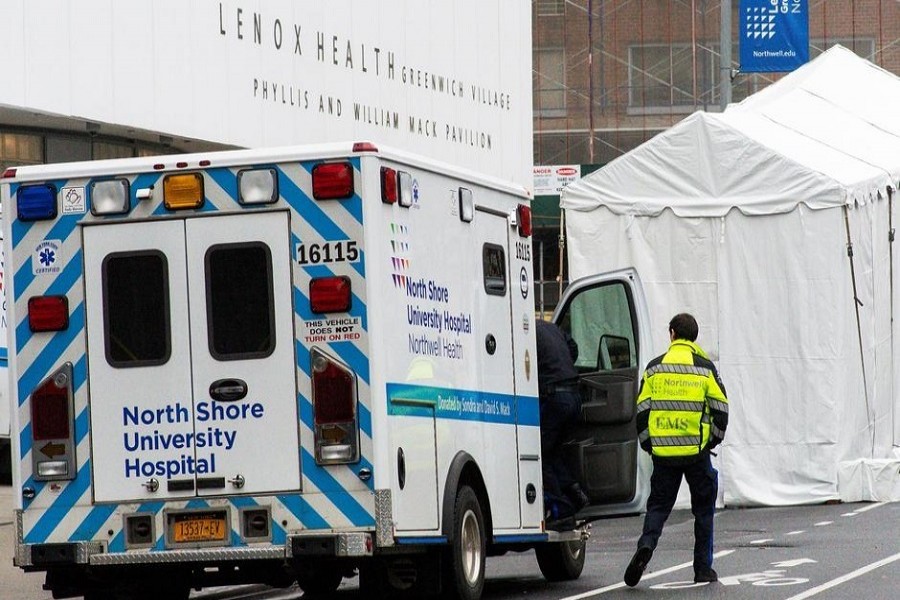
(678, 390)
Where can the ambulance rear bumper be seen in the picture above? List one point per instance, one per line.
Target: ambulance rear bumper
(42, 556)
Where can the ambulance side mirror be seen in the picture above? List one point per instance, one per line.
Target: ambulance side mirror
(614, 353)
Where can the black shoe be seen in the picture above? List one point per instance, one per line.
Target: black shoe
(577, 496)
(706, 575)
(561, 524)
(636, 567)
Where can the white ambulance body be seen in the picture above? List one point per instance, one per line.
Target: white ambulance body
(5, 408)
(269, 366)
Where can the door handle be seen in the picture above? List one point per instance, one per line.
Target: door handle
(228, 390)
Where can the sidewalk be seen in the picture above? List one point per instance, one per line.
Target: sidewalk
(15, 583)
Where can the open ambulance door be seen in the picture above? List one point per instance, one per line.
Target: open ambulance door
(607, 316)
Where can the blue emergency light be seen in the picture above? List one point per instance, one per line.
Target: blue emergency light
(36, 202)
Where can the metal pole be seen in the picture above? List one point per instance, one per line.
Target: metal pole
(590, 63)
(725, 54)
(541, 276)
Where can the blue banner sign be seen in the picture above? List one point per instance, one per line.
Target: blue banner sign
(774, 35)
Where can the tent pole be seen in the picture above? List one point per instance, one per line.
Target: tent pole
(857, 303)
(890, 193)
(562, 250)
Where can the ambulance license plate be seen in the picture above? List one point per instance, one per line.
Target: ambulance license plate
(198, 527)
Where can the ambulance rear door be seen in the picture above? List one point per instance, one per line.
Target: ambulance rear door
(190, 357)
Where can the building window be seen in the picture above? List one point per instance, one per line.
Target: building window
(550, 82)
(864, 47)
(103, 150)
(550, 8)
(20, 149)
(662, 76)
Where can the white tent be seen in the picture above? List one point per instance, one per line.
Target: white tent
(745, 220)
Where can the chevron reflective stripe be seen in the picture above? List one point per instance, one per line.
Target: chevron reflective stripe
(333, 497)
(718, 405)
(678, 369)
(677, 405)
(644, 404)
(690, 440)
(644, 435)
(716, 431)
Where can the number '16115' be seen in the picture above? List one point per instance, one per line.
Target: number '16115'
(327, 252)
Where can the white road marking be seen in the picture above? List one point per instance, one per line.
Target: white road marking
(764, 541)
(844, 578)
(870, 507)
(822, 523)
(793, 563)
(646, 576)
(850, 514)
(795, 532)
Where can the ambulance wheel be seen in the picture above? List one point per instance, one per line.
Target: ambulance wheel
(464, 567)
(561, 561)
(319, 579)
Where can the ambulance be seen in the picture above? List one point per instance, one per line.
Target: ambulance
(5, 447)
(294, 366)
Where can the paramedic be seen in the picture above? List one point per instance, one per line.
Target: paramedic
(682, 413)
(560, 406)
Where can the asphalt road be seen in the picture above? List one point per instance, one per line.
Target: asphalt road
(824, 552)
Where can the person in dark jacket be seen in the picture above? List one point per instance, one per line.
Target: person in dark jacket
(560, 405)
(682, 414)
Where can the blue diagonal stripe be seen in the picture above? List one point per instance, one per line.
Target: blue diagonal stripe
(92, 523)
(365, 424)
(303, 358)
(57, 511)
(61, 230)
(310, 210)
(352, 205)
(301, 509)
(225, 180)
(342, 499)
(47, 360)
(60, 287)
(350, 354)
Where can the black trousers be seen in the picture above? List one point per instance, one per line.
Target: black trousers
(559, 414)
(702, 479)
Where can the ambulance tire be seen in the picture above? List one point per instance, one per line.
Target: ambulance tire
(561, 561)
(463, 576)
(319, 580)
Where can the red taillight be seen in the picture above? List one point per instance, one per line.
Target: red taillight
(365, 147)
(329, 294)
(388, 185)
(333, 389)
(332, 181)
(48, 313)
(336, 430)
(9, 173)
(524, 218)
(50, 410)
